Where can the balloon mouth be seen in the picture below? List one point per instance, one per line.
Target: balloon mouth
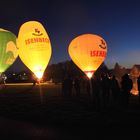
(89, 74)
(39, 74)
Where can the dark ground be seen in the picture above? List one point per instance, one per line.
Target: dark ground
(41, 112)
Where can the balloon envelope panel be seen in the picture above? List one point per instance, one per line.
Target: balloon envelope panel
(88, 51)
(34, 47)
(8, 49)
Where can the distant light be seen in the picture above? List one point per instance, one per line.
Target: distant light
(134, 92)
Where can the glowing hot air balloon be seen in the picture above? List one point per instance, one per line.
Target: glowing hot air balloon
(8, 49)
(88, 51)
(34, 47)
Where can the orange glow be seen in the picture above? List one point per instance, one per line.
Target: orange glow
(39, 74)
(134, 92)
(88, 51)
(89, 74)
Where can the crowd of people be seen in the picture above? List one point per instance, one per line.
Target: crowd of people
(104, 90)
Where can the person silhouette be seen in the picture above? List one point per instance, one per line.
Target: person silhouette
(105, 86)
(126, 86)
(77, 85)
(115, 90)
(67, 86)
(96, 87)
(87, 86)
(64, 86)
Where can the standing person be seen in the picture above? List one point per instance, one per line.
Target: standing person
(96, 87)
(64, 86)
(77, 86)
(67, 86)
(126, 86)
(138, 83)
(34, 80)
(115, 89)
(105, 86)
(88, 86)
(2, 80)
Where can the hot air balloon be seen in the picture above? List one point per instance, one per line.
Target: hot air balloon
(8, 49)
(88, 51)
(34, 47)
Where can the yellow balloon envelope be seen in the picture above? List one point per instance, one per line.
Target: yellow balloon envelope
(34, 47)
(88, 51)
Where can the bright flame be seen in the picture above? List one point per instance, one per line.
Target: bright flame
(89, 74)
(39, 74)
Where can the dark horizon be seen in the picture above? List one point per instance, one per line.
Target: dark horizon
(23, 67)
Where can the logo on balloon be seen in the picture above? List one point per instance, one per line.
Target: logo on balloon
(103, 45)
(37, 32)
(36, 40)
(11, 48)
(98, 53)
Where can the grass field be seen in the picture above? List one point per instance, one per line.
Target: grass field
(42, 103)
(44, 107)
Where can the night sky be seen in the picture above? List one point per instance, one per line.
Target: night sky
(117, 21)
